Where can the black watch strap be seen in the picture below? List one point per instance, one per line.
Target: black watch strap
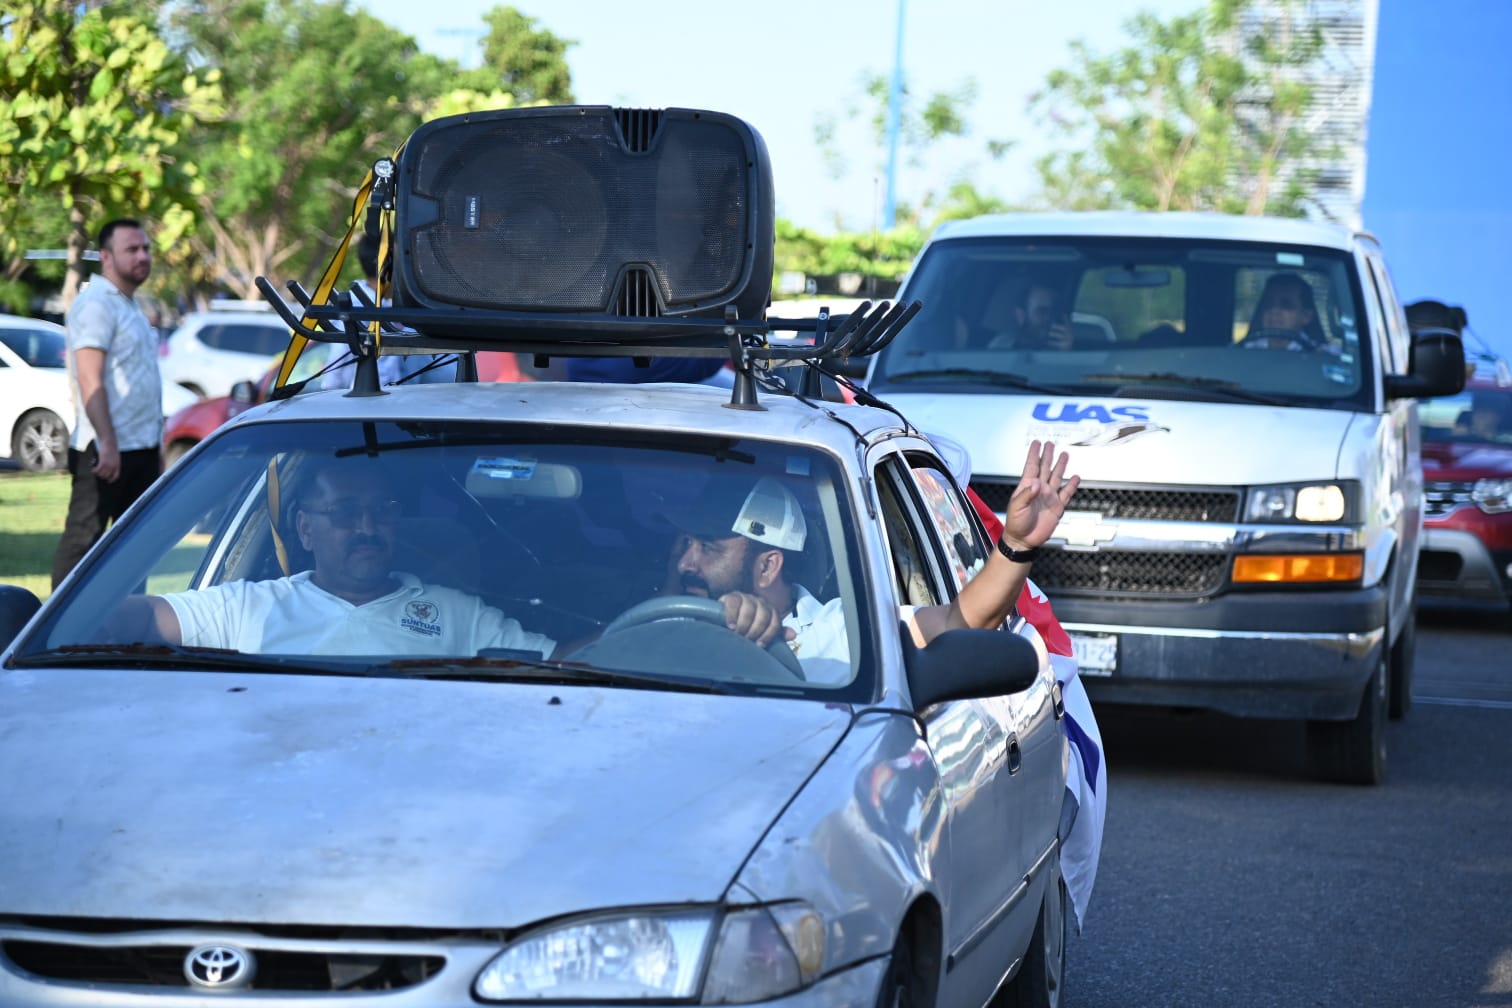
(1018, 556)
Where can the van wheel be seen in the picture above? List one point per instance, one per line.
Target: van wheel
(1403, 661)
(1354, 751)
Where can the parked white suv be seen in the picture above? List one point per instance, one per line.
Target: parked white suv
(1246, 533)
(212, 350)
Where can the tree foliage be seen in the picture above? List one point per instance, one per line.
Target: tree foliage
(924, 124)
(525, 61)
(315, 92)
(1202, 112)
(95, 108)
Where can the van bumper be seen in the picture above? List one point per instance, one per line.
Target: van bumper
(1305, 655)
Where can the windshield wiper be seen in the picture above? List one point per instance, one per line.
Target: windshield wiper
(1220, 386)
(986, 375)
(164, 655)
(509, 665)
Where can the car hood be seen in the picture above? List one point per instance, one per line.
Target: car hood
(296, 799)
(1459, 460)
(1133, 440)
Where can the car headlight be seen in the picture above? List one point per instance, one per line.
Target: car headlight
(758, 953)
(1493, 496)
(1305, 502)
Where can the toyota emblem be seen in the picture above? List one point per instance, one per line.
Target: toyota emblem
(221, 967)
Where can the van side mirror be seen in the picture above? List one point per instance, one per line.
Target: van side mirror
(1436, 366)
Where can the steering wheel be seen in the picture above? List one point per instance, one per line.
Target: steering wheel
(703, 610)
(1262, 338)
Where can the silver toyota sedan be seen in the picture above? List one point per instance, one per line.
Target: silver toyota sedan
(427, 698)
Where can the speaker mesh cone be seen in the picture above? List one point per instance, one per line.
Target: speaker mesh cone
(545, 212)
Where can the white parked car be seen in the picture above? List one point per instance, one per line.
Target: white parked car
(36, 411)
(36, 407)
(212, 350)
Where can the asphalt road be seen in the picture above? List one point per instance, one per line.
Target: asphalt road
(1229, 878)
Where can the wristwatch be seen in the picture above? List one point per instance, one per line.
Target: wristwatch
(1018, 556)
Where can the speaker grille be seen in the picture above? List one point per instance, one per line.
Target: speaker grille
(550, 212)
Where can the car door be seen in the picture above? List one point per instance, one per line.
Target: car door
(936, 547)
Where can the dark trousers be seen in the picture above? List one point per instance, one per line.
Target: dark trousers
(94, 503)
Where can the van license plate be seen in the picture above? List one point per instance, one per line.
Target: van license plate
(1096, 654)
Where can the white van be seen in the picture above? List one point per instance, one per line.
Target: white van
(1239, 397)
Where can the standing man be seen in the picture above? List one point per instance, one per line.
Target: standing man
(115, 452)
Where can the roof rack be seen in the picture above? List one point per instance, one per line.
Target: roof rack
(828, 340)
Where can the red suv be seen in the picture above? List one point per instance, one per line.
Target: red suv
(1466, 557)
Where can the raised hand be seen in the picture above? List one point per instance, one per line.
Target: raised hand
(1040, 499)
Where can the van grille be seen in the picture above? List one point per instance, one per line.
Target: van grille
(1133, 573)
(1195, 504)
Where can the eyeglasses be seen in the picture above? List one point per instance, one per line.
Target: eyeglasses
(346, 514)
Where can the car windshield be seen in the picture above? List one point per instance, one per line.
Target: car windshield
(1175, 319)
(468, 550)
(1481, 414)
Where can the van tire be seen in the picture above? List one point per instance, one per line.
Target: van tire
(1403, 662)
(1354, 751)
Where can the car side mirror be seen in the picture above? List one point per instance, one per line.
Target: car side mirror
(1436, 366)
(968, 664)
(17, 605)
(244, 392)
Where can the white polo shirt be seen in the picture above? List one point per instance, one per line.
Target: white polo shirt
(102, 317)
(821, 642)
(293, 615)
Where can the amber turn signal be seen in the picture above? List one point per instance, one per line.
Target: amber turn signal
(1303, 568)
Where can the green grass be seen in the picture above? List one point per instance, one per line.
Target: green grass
(32, 509)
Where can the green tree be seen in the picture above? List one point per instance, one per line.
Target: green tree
(316, 92)
(1202, 112)
(520, 59)
(94, 107)
(924, 124)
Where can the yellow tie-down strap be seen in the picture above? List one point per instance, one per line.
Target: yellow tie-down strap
(298, 342)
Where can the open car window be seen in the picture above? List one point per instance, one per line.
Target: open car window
(497, 525)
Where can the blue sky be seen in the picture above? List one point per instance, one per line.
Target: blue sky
(784, 64)
(1436, 189)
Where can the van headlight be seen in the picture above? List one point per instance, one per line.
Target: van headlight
(1303, 502)
(1493, 496)
(731, 957)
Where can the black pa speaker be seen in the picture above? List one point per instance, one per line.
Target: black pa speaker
(586, 210)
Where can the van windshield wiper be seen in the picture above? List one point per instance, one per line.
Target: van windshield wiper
(508, 665)
(984, 375)
(1220, 386)
(177, 656)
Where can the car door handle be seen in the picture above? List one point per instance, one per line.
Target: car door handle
(1015, 753)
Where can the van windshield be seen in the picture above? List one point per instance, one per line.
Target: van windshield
(1157, 318)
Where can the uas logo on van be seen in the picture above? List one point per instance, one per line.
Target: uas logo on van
(1091, 424)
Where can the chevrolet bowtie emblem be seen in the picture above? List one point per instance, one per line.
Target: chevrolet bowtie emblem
(1083, 528)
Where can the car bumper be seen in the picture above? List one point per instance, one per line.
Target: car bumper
(1457, 570)
(1274, 655)
(461, 959)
